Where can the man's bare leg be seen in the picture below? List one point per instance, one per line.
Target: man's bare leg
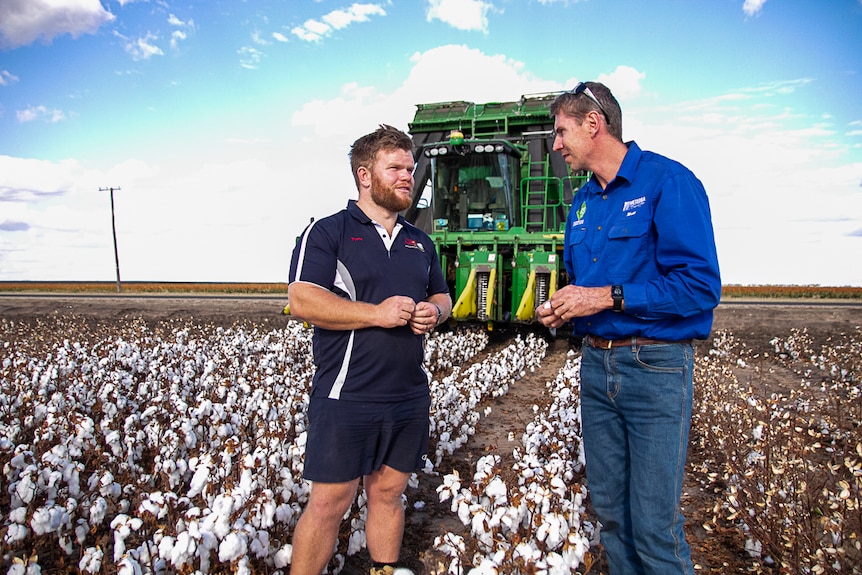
(316, 533)
(384, 524)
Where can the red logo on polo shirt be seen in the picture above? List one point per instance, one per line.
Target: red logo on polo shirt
(413, 244)
(355, 239)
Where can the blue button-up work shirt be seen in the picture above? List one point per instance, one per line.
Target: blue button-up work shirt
(650, 231)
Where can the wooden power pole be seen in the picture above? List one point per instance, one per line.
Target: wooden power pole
(114, 228)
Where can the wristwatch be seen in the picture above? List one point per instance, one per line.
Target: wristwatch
(617, 294)
(439, 314)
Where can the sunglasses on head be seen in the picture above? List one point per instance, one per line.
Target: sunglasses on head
(582, 88)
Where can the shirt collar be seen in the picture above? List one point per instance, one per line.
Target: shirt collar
(626, 170)
(630, 162)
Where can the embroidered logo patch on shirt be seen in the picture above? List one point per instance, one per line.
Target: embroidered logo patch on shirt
(634, 204)
(580, 215)
(414, 245)
(581, 211)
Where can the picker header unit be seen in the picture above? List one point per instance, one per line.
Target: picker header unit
(494, 197)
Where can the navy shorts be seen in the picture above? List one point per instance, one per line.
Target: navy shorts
(350, 439)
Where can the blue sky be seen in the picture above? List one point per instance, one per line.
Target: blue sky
(226, 123)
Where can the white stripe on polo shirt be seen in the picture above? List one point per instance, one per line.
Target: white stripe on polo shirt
(344, 281)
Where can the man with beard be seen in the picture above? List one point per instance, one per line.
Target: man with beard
(371, 285)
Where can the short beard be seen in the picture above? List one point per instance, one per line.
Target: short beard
(386, 197)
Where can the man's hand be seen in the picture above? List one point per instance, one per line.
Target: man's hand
(424, 318)
(396, 311)
(571, 301)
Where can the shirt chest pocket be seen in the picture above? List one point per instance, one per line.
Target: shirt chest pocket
(628, 247)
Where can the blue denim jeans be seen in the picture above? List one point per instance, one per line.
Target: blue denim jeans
(636, 413)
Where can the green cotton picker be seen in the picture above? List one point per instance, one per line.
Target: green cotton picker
(494, 197)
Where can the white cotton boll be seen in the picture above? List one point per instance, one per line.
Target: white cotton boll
(108, 487)
(71, 475)
(753, 548)
(123, 526)
(260, 544)
(356, 542)
(199, 480)
(558, 486)
(128, 566)
(18, 515)
(758, 432)
(219, 520)
(24, 491)
(166, 546)
(479, 524)
(91, 561)
(246, 481)
(450, 544)
(496, 490)
(232, 547)
(15, 532)
(112, 439)
(283, 556)
(81, 530)
(485, 567)
(464, 512)
(98, 510)
(183, 549)
(65, 543)
(284, 513)
(527, 552)
(49, 519)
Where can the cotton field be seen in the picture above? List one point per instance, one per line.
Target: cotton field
(178, 448)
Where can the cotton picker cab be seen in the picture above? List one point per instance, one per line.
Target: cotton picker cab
(494, 198)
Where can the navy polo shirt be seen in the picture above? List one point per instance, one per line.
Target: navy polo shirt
(345, 254)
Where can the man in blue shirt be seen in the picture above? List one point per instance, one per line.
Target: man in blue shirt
(372, 286)
(640, 255)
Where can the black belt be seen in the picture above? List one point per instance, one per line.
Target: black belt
(600, 342)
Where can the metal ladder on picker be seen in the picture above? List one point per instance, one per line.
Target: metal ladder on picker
(534, 191)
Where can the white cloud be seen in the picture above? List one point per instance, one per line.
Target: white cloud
(753, 7)
(181, 34)
(40, 112)
(316, 30)
(177, 36)
(625, 82)
(339, 19)
(471, 15)
(141, 48)
(258, 38)
(23, 22)
(279, 37)
(7, 78)
(361, 108)
(249, 57)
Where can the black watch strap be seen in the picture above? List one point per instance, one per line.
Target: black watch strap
(617, 294)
